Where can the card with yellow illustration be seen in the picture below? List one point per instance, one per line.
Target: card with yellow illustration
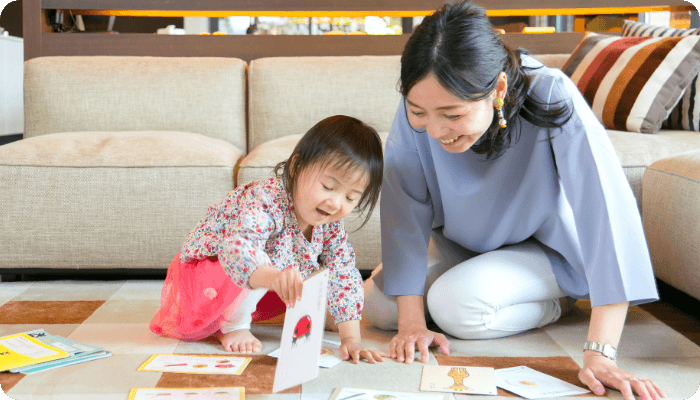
(458, 379)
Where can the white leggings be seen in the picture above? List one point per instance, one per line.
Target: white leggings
(242, 318)
(477, 296)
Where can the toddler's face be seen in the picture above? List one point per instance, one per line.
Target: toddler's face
(325, 195)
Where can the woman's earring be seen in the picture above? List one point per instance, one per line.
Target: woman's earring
(498, 103)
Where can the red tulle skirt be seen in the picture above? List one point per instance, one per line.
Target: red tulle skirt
(198, 298)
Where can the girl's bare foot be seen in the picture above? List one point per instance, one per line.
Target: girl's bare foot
(240, 341)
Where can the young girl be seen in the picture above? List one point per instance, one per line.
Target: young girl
(273, 234)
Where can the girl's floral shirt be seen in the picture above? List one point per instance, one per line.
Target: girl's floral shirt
(256, 225)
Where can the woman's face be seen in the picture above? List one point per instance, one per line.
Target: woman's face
(454, 122)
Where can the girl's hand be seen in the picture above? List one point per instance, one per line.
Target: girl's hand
(403, 345)
(288, 285)
(599, 370)
(359, 351)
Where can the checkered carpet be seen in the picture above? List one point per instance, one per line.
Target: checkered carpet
(115, 315)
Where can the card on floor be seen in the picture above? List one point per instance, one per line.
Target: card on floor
(193, 364)
(458, 379)
(329, 357)
(532, 384)
(300, 346)
(223, 393)
(366, 394)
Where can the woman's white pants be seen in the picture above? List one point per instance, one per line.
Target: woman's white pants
(477, 296)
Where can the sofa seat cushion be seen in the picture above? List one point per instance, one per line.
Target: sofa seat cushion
(120, 149)
(94, 200)
(672, 221)
(260, 164)
(637, 151)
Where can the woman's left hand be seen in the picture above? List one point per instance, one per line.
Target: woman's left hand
(359, 351)
(599, 370)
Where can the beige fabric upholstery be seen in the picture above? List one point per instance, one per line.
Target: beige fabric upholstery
(289, 95)
(260, 163)
(636, 151)
(190, 94)
(107, 199)
(672, 220)
(552, 60)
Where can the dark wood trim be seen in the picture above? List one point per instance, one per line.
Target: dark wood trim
(250, 47)
(31, 28)
(341, 5)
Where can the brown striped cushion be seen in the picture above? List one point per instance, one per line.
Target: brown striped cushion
(633, 83)
(686, 114)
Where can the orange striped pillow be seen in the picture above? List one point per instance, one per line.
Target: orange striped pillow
(633, 83)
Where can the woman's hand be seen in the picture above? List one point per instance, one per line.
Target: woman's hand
(358, 351)
(288, 285)
(403, 345)
(599, 370)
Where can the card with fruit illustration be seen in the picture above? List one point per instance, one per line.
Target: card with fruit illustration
(532, 384)
(193, 364)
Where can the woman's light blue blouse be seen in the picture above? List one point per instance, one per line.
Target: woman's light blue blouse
(573, 197)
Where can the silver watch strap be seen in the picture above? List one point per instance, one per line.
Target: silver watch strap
(602, 348)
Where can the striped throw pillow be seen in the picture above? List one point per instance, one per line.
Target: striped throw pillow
(633, 83)
(686, 114)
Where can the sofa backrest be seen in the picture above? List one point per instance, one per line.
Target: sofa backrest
(188, 94)
(289, 95)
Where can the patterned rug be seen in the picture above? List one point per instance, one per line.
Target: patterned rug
(115, 314)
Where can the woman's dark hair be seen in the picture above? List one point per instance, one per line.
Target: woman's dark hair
(458, 45)
(345, 143)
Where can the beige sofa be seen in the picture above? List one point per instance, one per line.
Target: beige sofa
(123, 155)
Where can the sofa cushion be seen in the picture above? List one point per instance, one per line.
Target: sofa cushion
(636, 152)
(672, 221)
(288, 95)
(633, 83)
(100, 93)
(260, 163)
(120, 149)
(686, 114)
(107, 199)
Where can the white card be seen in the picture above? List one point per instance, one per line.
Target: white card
(224, 393)
(300, 346)
(329, 357)
(458, 379)
(191, 364)
(366, 394)
(531, 384)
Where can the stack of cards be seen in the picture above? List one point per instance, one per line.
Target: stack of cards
(366, 394)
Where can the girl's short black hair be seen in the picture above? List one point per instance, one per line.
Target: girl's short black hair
(345, 143)
(458, 45)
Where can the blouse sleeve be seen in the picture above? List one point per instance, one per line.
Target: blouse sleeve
(345, 292)
(243, 242)
(614, 250)
(406, 212)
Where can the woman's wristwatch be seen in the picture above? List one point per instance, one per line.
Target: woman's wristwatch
(602, 348)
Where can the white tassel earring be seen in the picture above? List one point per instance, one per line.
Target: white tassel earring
(498, 104)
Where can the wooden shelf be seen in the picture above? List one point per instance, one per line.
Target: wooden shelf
(41, 41)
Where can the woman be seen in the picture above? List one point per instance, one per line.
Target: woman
(499, 177)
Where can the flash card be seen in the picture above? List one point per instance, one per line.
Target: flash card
(302, 333)
(531, 384)
(330, 354)
(458, 379)
(223, 393)
(195, 364)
